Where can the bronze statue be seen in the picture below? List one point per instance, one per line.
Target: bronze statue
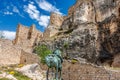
(54, 60)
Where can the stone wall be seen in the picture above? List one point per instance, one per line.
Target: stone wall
(28, 58)
(27, 37)
(21, 34)
(83, 71)
(9, 53)
(20, 50)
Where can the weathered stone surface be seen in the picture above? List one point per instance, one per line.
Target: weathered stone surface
(56, 21)
(8, 76)
(9, 54)
(83, 71)
(14, 54)
(26, 37)
(94, 10)
(28, 58)
(116, 61)
(32, 72)
(91, 31)
(20, 50)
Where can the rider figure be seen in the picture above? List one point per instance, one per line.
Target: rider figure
(58, 53)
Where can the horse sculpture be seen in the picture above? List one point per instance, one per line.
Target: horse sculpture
(54, 61)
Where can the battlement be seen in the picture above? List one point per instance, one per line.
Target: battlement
(26, 36)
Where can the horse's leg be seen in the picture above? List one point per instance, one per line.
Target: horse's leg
(47, 73)
(56, 76)
(60, 73)
(53, 73)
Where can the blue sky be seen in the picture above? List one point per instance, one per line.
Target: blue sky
(28, 12)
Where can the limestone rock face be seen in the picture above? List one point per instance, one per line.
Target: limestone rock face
(56, 21)
(32, 72)
(92, 31)
(93, 10)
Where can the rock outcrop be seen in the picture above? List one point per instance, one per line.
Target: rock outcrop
(32, 71)
(91, 31)
(56, 21)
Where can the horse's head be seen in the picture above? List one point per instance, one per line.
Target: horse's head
(57, 52)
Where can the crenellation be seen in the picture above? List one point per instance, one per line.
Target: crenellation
(20, 47)
(26, 36)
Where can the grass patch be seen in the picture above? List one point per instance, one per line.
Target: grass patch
(17, 75)
(10, 70)
(0, 72)
(20, 76)
(4, 79)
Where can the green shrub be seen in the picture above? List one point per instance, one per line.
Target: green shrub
(17, 75)
(42, 51)
(0, 72)
(66, 45)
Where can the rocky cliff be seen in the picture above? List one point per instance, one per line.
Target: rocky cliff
(56, 21)
(91, 31)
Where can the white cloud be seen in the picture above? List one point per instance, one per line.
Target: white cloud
(43, 4)
(15, 9)
(8, 13)
(11, 9)
(44, 20)
(9, 34)
(31, 9)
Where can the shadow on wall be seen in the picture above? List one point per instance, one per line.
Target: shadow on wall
(28, 58)
(109, 40)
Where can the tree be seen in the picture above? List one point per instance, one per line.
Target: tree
(42, 52)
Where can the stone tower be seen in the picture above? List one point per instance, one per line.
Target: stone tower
(26, 37)
(56, 21)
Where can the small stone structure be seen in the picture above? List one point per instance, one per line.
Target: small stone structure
(20, 49)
